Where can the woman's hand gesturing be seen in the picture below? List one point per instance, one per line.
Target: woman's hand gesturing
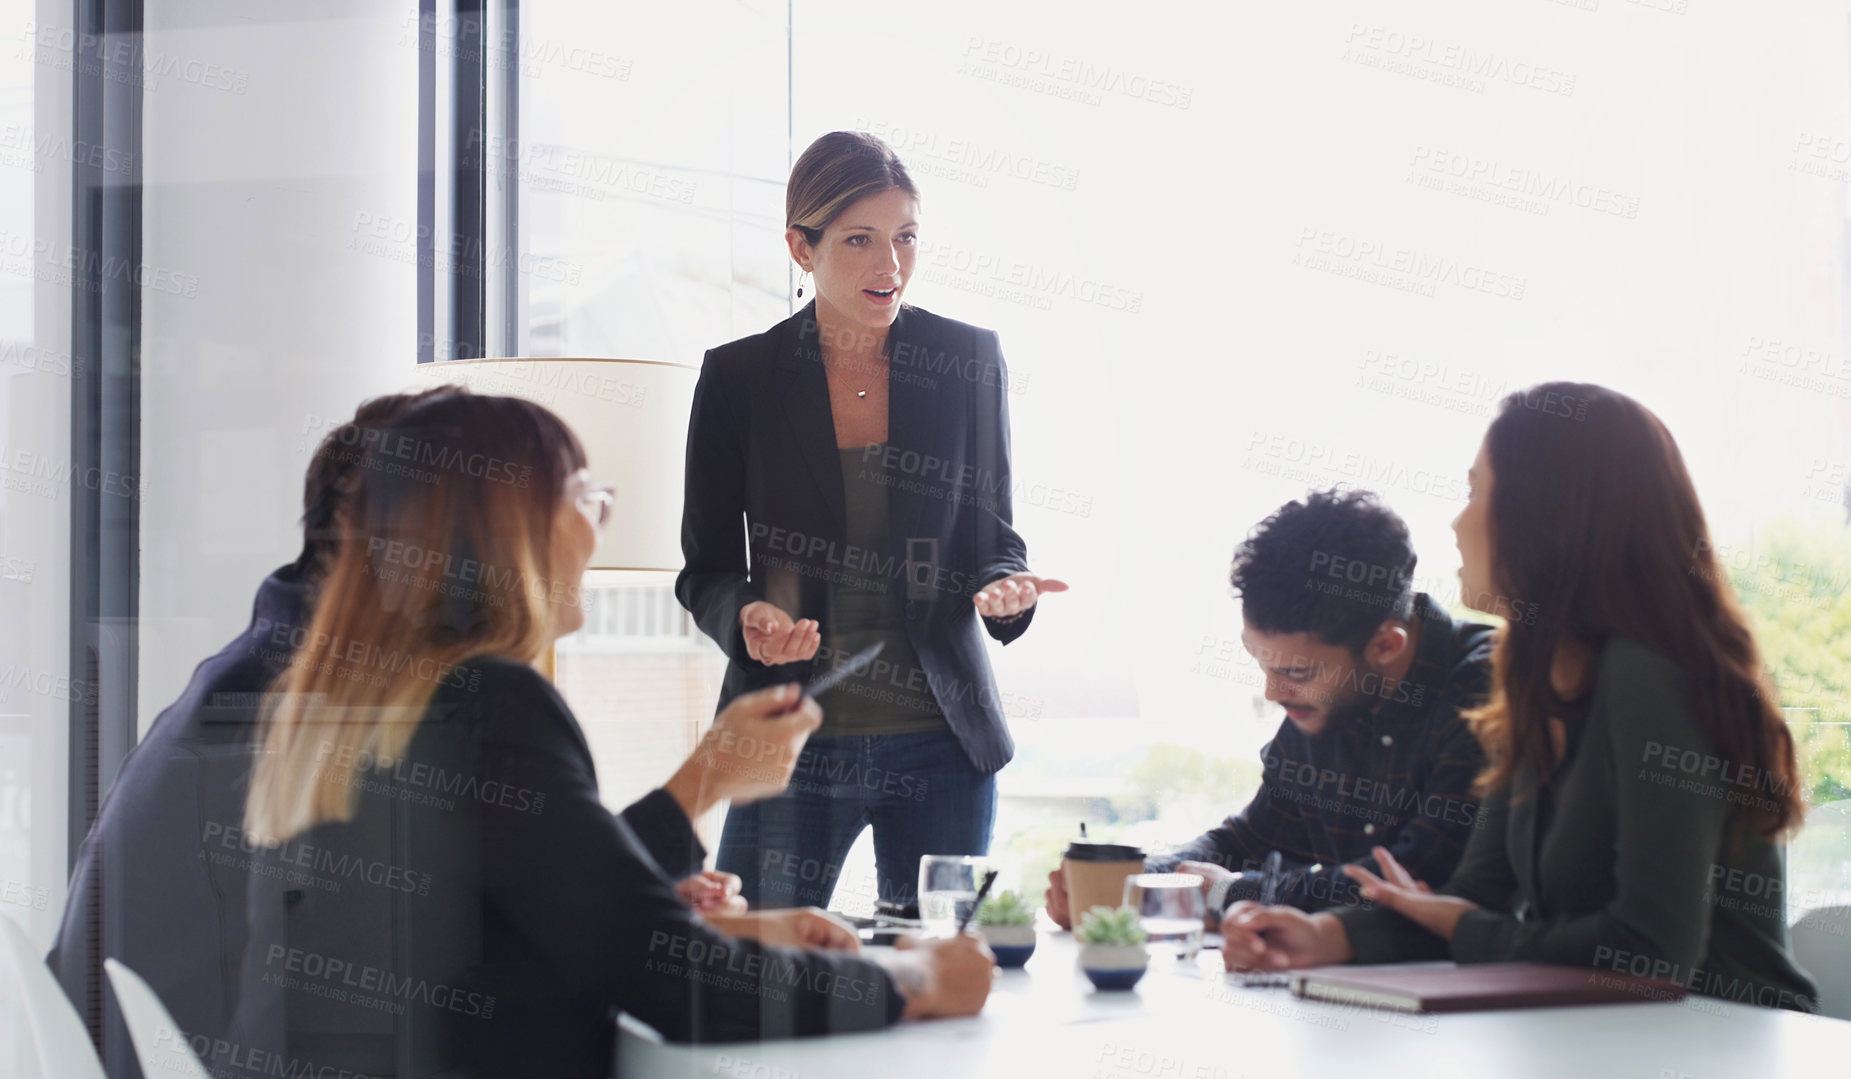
(1399, 891)
(772, 638)
(1011, 595)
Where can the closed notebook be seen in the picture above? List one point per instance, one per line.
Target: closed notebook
(1428, 987)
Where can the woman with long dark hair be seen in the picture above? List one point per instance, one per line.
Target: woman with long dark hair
(435, 884)
(1641, 778)
(849, 486)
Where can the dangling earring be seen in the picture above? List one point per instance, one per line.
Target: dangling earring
(800, 281)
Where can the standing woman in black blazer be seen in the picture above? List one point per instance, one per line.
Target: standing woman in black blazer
(848, 483)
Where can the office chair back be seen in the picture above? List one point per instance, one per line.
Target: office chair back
(1821, 941)
(56, 1035)
(159, 1043)
(1819, 870)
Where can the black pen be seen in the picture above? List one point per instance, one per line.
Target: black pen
(988, 879)
(1269, 891)
(857, 663)
(1269, 879)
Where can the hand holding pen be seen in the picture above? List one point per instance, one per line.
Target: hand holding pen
(1270, 872)
(1277, 939)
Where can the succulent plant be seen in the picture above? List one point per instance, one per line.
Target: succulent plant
(1109, 926)
(1008, 908)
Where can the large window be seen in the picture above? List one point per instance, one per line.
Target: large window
(62, 630)
(645, 160)
(1221, 283)
(652, 152)
(32, 371)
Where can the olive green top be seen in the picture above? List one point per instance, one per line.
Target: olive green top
(1627, 862)
(893, 696)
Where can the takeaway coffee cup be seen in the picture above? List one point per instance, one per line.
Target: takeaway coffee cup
(1096, 874)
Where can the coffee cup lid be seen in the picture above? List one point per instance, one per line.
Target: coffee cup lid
(1082, 850)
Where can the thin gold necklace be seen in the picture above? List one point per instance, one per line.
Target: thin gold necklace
(863, 392)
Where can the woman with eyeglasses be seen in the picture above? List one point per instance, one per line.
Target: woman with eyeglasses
(864, 444)
(1641, 781)
(436, 887)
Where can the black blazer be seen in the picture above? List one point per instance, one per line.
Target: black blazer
(483, 914)
(764, 478)
(162, 879)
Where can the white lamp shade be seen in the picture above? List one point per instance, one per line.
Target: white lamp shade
(631, 415)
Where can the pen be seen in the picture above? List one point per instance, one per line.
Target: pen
(1269, 879)
(1269, 891)
(855, 665)
(988, 879)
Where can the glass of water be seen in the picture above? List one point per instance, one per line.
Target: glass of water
(948, 886)
(1171, 908)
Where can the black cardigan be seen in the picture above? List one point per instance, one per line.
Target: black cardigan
(484, 914)
(764, 517)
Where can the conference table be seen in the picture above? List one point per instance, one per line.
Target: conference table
(1193, 1021)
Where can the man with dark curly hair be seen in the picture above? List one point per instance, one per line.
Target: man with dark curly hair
(1373, 676)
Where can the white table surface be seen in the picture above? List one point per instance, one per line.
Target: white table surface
(1195, 1022)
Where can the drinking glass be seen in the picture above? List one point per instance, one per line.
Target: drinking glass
(1171, 908)
(948, 890)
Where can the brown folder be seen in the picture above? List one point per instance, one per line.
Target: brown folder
(1426, 987)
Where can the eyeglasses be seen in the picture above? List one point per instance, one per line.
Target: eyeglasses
(595, 501)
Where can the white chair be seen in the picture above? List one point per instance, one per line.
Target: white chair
(160, 1045)
(1819, 877)
(1821, 941)
(62, 1044)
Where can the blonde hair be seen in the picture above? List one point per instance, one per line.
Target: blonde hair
(445, 555)
(838, 170)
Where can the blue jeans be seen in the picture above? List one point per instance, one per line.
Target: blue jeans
(919, 791)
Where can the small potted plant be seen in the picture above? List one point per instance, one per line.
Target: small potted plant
(1007, 922)
(1112, 947)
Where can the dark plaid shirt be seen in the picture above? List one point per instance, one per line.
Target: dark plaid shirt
(1400, 777)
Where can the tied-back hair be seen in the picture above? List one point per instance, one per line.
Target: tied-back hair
(1594, 520)
(445, 555)
(838, 170)
(328, 482)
